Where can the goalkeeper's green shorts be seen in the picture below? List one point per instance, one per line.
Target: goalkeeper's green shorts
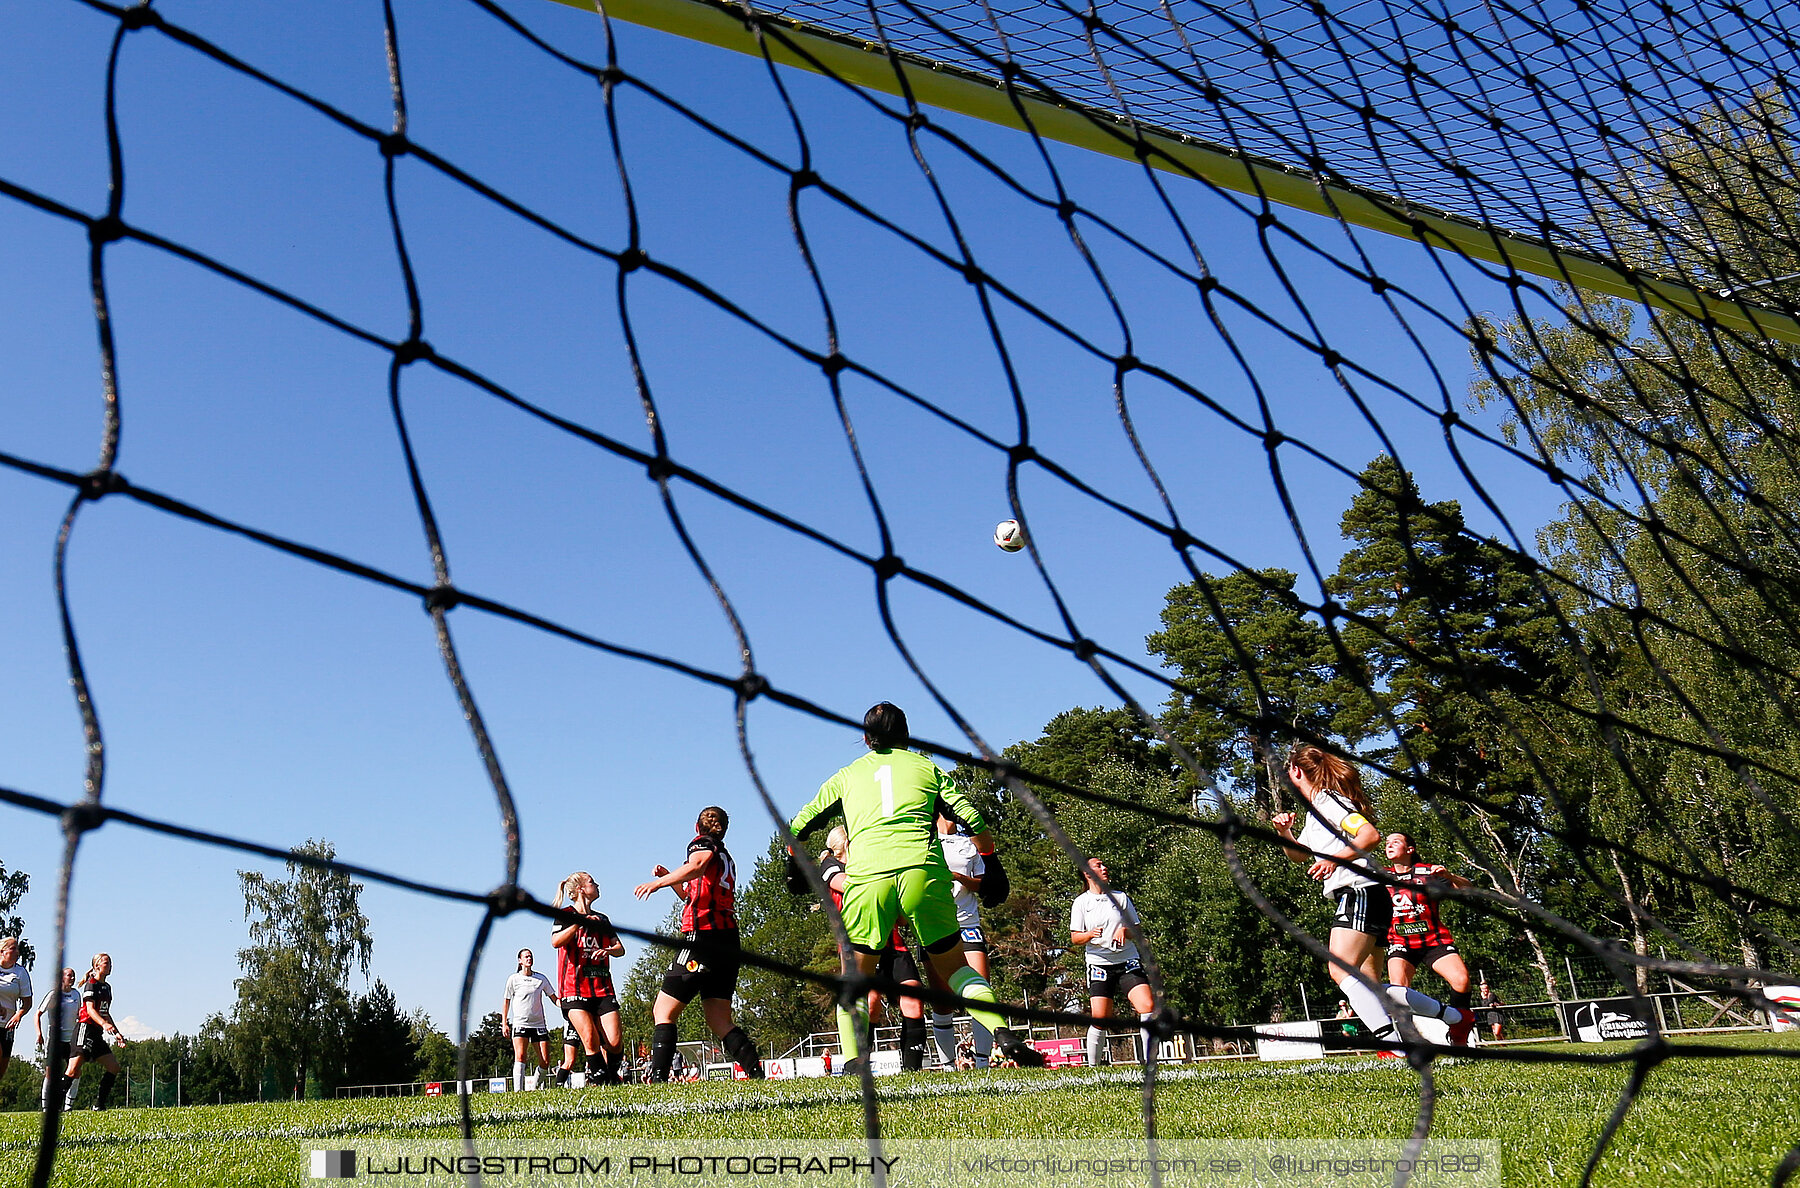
(873, 904)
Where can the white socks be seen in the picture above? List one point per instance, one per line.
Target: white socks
(1367, 1004)
(943, 1030)
(518, 1075)
(1095, 1038)
(1424, 1004)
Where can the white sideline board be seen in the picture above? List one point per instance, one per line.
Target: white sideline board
(1286, 1041)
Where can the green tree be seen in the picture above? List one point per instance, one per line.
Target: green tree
(208, 1075)
(21, 1084)
(436, 1052)
(151, 1063)
(1261, 668)
(1678, 553)
(778, 1009)
(644, 982)
(307, 933)
(490, 1051)
(379, 1047)
(1448, 673)
(1077, 741)
(1444, 625)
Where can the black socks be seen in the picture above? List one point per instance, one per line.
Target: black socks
(662, 1051)
(743, 1052)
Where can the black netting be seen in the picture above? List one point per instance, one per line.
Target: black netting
(1605, 700)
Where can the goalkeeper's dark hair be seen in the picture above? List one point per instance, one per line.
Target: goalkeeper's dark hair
(884, 726)
(713, 821)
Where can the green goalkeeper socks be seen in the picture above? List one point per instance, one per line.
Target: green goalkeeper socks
(966, 983)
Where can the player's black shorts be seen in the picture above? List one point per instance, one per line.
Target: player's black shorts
(1364, 909)
(90, 1041)
(1424, 956)
(708, 973)
(1104, 981)
(597, 1005)
(6, 1042)
(898, 965)
(57, 1058)
(535, 1034)
(974, 940)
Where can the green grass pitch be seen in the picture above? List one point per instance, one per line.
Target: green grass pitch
(1699, 1122)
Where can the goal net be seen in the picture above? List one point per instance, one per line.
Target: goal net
(1418, 380)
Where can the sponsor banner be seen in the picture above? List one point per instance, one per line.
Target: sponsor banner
(1061, 1052)
(987, 1163)
(1285, 1041)
(1786, 1001)
(1601, 1020)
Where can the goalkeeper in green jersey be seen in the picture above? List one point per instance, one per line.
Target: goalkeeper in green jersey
(890, 801)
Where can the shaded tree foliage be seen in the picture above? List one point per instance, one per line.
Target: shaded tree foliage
(1261, 667)
(490, 1051)
(379, 1048)
(436, 1052)
(779, 1010)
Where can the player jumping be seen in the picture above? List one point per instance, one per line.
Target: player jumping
(889, 799)
(1417, 937)
(708, 966)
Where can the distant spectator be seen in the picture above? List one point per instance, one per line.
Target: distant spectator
(1490, 1011)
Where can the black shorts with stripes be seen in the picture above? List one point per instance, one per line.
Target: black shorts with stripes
(1365, 909)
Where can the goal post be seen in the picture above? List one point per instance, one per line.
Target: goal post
(876, 66)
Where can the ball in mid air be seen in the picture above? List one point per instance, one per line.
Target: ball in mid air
(1009, 535)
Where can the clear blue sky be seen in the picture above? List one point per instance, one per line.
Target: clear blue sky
(248, 693)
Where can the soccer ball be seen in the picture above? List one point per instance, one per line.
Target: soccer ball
(1009, 536)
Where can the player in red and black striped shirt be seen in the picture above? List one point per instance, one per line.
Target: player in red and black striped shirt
(585, 947)
(1416, 936)
(707, 966)
(93, 1026)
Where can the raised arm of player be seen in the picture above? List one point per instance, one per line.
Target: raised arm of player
(1283, 824)
(829, 796)
(677, 878)
(1455, 880)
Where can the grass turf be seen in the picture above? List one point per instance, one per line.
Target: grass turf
(1699, 1121)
